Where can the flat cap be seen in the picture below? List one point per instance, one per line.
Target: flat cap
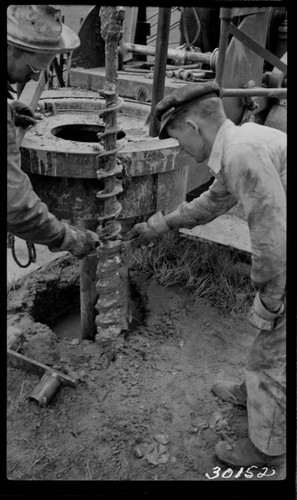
(175, 102)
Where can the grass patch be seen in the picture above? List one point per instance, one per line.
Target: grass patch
(220, 275)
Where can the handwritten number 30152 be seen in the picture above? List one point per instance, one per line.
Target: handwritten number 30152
(248, 473)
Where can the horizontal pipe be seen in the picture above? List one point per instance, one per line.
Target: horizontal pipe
(179, 55)
(256, 91)
(128, 69)
(184, 66)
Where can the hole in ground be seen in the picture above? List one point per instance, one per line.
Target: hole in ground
(81, 132)
(57, 304)
(53, 302)
(138, 301)
(68, 325)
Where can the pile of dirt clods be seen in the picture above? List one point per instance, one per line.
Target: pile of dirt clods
(149, 415)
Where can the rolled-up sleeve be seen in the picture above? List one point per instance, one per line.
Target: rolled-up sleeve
(255, 181)
(27, 217)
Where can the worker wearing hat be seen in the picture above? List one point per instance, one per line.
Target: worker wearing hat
(35, 34)
(249, 166)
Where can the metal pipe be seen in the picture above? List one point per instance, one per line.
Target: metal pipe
(128, 69)
(131, 69)
(46, 389)
(185, 66)
(279, 93)
(160, 65)
(88, 292)
(225, 16)
(179, 55)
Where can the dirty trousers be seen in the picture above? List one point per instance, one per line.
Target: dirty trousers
(265, 374)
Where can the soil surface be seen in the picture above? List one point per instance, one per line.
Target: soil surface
(149, 415)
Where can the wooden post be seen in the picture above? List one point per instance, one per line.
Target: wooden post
(129, 30)
(160, 65)
(30, 96)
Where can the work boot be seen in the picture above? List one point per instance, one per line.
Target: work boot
(243, 453)
(230, 391)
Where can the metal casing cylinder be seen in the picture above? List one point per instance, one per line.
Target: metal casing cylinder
(60, 154)
(46, 389)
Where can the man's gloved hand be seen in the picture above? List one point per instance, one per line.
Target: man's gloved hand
(144, 232)
(78, 241)
(23, 116)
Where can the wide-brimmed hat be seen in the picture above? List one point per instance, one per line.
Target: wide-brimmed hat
(171, 105)
(38, 28)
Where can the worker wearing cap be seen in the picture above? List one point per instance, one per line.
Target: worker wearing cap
(249, 165)
(35, 34)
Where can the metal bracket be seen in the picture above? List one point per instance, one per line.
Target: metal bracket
(258, 49)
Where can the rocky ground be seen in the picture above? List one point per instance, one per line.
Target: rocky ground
(150, 415)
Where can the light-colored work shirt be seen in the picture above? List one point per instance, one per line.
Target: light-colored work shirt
(249, 165)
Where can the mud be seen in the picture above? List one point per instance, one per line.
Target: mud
(151, 414)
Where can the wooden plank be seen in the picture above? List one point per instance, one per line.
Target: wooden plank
(227, 230)
(257, 48)
(30, 96)
(136, 87)
(17, 360)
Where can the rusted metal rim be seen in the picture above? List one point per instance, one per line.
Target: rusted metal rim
(46, 152)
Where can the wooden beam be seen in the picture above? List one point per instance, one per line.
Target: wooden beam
(129, 29)
(30, 96)
(227, 230)
(19, 361)
(258, 49)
